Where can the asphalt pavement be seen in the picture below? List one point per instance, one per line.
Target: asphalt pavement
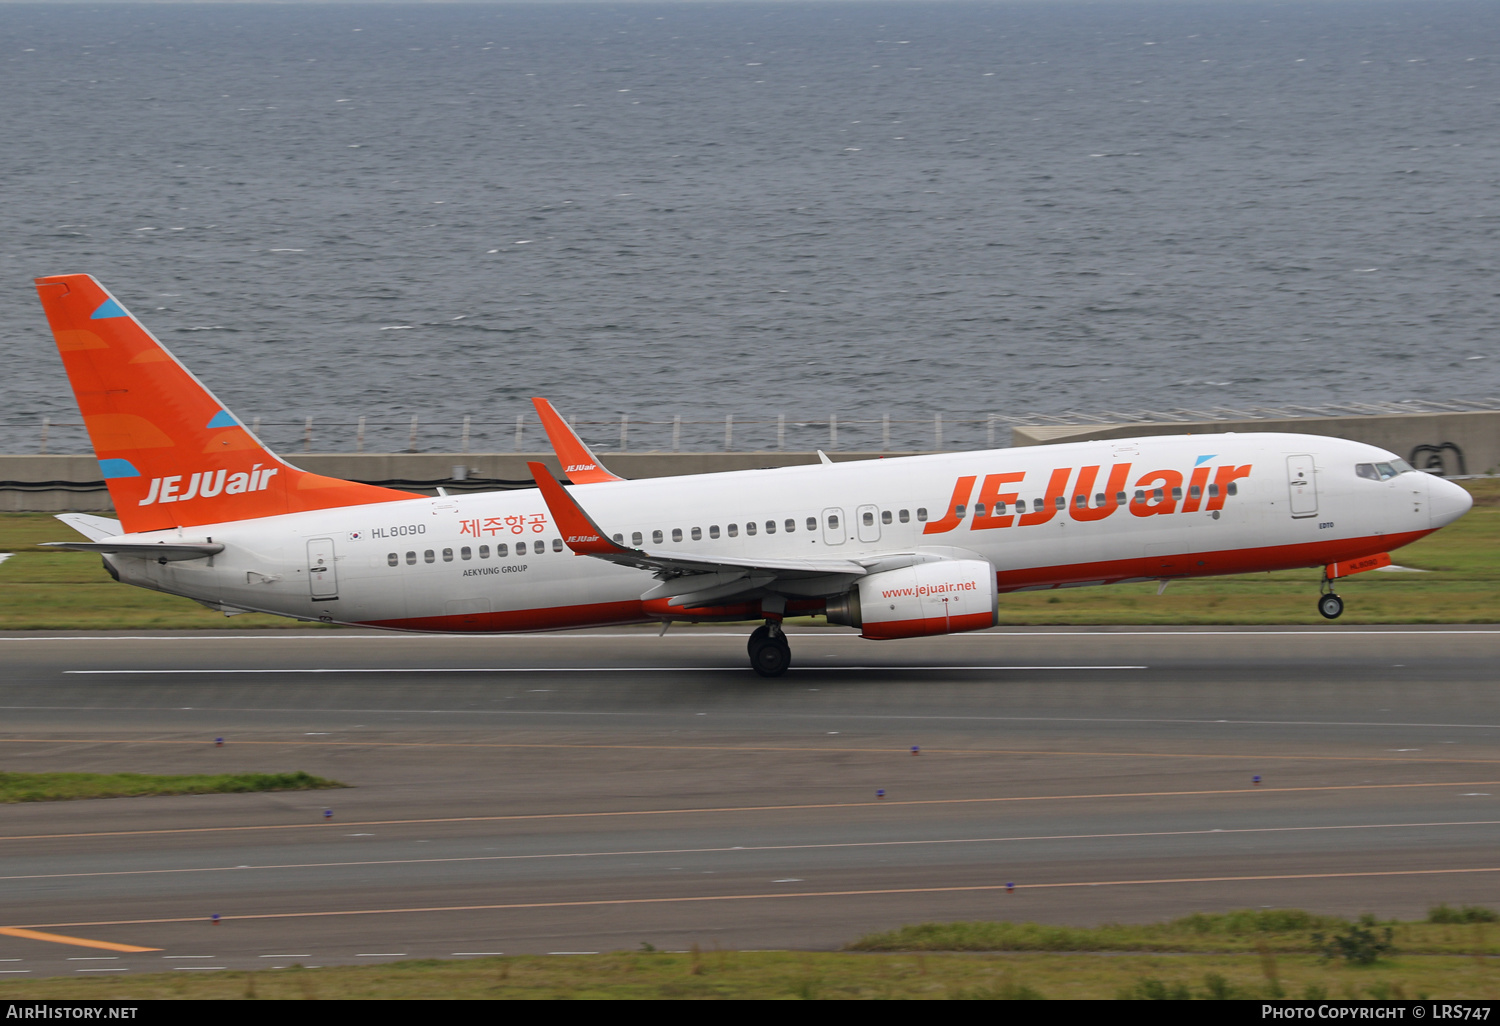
(597, 791)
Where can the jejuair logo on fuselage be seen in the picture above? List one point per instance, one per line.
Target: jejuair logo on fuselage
(207, 484)
(1156, 492)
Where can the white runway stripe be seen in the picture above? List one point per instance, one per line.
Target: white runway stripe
(757, 847)
(590, 669)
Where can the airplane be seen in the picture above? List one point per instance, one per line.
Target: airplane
(897, 548)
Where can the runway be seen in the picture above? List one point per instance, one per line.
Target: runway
(602, 790)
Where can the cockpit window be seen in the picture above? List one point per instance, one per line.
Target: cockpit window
(1382, 471)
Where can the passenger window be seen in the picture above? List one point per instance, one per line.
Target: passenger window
(1176, 494)
(979, 509)
(502, 550)
(885, 516)
(484, 552)
(1195, 492)
(1100, 500)
(1081, 501)
(713, 531)
(904, 516)
(677, 534)
(999, 509)
(1120, 498)
(1062, 503)
(636, 539)
(790, 525)
(958, 511)
(750, 527)
(921, 514)
(697, 534)
(812, 523)
(556, 544)
(520, 548)
(619, 539)
(734, 530)
(1234, 489)
(392, 559)
(1213, 491)
(656, 537)
(411, 557)
(1036, 505)
(770, 527)
(429, 556)
(447, 555)
(466, 553)
(1160, 495)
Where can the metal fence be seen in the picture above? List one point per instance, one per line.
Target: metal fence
(832, 432)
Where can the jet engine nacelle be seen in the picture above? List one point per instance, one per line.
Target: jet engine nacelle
(916, 601)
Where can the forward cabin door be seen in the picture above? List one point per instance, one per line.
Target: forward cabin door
(322, 578)
(1303, 485)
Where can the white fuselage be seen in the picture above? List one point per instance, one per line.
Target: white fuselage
(437, 563)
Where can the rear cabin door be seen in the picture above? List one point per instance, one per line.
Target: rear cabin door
(1303, 485)
(322, 578)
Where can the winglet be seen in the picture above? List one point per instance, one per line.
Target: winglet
(578, 529)
(577, 459)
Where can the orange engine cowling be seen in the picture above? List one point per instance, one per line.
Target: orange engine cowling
(917, 601)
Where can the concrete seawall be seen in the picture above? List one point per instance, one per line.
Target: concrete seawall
(1451, 444)
(71, 484)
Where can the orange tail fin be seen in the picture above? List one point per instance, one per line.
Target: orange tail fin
(171, 454)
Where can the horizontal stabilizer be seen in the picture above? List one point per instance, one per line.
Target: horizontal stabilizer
(164, 551)
(91, 527)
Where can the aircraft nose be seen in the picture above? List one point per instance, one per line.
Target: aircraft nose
(1446, 501)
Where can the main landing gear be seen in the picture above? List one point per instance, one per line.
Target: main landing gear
(1330, 606)
(770, 655)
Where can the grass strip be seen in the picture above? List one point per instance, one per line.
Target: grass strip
(57, 787)
(771, 975)
(1471, 930)
(41, 589)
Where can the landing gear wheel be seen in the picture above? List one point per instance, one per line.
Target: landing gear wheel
(770, 655)
(1331, 606)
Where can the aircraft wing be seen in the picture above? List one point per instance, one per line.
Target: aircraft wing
(708, 577)
(577, 459)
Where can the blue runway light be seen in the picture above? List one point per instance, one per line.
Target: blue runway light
(1255, 780)
(1010, 888)
(880, 792)
(218, 742)
(327, 813)
(916, 749)
(214, 919)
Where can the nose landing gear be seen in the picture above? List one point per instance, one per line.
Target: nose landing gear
(1330, 606)
(770, 655)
